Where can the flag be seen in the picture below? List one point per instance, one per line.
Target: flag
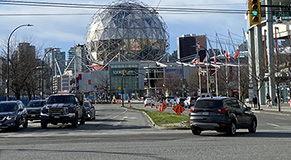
(75, 44)
(197, 61)
(226, 55)
(214, 58)
(236, 54)
(167, 45)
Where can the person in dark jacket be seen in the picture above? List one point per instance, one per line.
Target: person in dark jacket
(255, 101)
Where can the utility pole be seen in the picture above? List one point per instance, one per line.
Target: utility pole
(270, 51)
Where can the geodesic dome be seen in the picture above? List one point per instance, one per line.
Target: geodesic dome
(127, 29)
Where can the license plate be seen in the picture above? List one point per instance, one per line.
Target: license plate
(205, 113)
(56, 116)
(33, 115)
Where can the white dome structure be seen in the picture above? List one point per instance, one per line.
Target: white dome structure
(128, 28)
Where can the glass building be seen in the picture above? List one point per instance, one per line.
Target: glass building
(128, 30)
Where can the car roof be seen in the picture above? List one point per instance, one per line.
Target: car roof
(214, 98)
(37, 100)
(17, 101)
(67, 94)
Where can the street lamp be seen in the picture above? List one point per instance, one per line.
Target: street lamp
(23, 25)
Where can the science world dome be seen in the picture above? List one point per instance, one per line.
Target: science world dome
(128, 30)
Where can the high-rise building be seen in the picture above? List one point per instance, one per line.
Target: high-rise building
(56, 60)
(187, 47)
(80, 60)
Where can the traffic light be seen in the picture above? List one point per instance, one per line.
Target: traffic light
(254, 12)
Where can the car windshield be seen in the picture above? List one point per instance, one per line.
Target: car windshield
(208, 104)
(87, 105)
(61, 99)
(8, 107)
(35, 104)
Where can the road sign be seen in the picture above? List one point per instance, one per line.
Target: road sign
(119, 88)
(283, 13)
(178, 109)
(164, 106)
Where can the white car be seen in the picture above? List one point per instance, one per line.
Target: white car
(148, 101)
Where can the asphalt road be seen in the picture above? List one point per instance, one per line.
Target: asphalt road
(118, 133)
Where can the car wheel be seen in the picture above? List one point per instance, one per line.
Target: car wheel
(75, 122)
(43, 124)
(232, 129)
(253, 127)
(196, 131)
(82, 120)
(25, 125)
(16, 127)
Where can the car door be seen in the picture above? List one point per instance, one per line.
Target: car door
(247, 115)
(238, 112)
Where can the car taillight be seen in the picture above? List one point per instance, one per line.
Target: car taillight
(192, 110)
(222, 110)
(190, 100)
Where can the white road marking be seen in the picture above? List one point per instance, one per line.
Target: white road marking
(274, 125)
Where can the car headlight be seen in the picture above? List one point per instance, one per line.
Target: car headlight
(44, 110)
(71, 110)
(10, 117)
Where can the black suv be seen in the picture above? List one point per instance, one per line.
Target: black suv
(223, 114)
(62, 108)
(12, 115)
(33, 109)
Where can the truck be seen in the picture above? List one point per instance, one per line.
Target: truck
(63, 108)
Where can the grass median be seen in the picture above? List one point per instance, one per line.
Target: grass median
(165, 119)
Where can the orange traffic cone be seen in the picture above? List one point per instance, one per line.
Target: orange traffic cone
(156, 106)
(144, 105)
(151, 105)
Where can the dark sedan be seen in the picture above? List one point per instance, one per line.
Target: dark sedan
(90, 110)
(33, 109)
(12, 115)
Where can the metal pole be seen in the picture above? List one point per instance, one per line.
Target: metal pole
(8, 50)
(270, 51)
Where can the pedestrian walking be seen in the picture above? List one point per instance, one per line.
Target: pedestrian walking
(268, 101)
(255, 101)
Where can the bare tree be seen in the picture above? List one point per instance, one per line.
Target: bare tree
(22, 66)
(173, 83)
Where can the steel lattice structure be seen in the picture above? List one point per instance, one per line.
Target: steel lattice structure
(128, 28)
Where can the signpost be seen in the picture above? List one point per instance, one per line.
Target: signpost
(283, 13)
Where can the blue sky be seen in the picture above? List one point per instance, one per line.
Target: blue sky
(63, 31)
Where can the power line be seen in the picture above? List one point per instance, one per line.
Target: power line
(91, 6)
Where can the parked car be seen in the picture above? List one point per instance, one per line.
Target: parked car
(181, 101)
(223, 114)
(171, 101)
(190, 101)
(90, 110)
(12, 115)
(33, 109)
(148, 101)
(62, 108)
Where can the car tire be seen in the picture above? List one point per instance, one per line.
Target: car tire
(196, 131)
(16, 127)
(25, 125)
(253, 127)
(232, 129)
(82, 120)
(75, 122)
(43, 124)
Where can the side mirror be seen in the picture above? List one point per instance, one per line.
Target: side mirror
(248, 109)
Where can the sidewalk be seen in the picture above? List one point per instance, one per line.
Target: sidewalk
(284, 108)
